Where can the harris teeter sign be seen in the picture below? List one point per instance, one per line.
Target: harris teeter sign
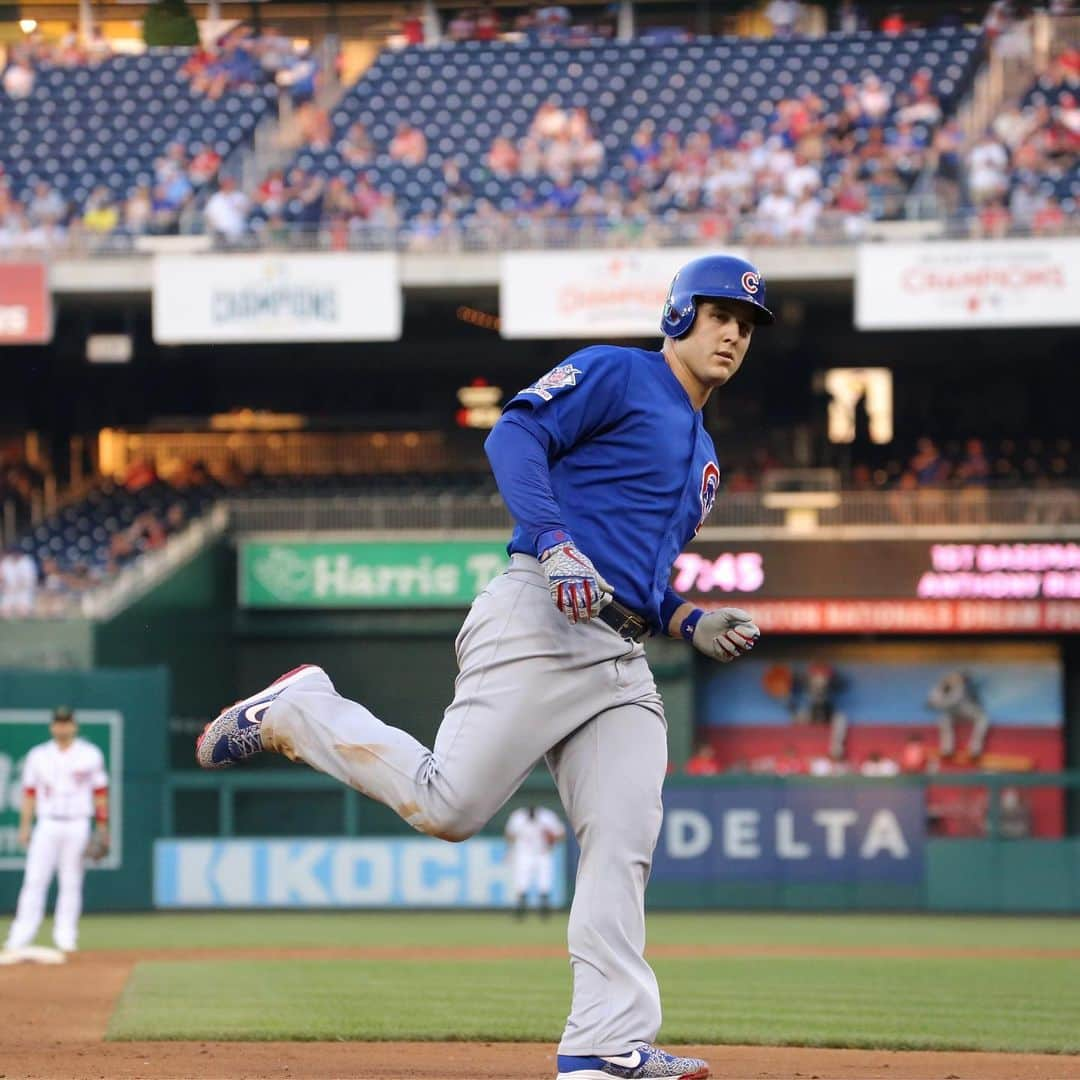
(367, 574)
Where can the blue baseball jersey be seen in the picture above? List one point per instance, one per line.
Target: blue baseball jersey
(632, 467)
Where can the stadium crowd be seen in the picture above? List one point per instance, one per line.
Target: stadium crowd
(176, 194)
(819, 168)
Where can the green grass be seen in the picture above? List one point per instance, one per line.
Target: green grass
(985, 1003)
(358, 928)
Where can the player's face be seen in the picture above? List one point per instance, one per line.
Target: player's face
(64, 731)
(715, 347)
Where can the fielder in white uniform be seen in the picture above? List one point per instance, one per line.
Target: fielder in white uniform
(605, 458)
(18, 583)
(533, 832)
(65, 784)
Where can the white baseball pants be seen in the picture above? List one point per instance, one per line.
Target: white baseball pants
(534, 870)
(530, 686)
(56, 846)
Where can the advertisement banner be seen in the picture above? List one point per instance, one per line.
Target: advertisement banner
(587, 294)
(914, 616)
(967, 284)
(354, 873)
(359, 573)
(237, 299)
(23, 729)
(828, 833)
(26, 316)
(894, 569)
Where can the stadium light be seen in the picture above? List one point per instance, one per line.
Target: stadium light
(855, 390)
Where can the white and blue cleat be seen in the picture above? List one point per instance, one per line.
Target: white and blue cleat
(642, 1063)
(236, 734)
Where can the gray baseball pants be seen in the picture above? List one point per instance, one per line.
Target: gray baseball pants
(530, 686)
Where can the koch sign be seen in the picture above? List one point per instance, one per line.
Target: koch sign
(968, 284)
(236, 299)
(415, 872)
(792, 833)
(586, 294)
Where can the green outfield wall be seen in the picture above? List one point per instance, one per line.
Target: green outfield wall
(125, 712)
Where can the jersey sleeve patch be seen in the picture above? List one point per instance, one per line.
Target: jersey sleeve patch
(559, 378)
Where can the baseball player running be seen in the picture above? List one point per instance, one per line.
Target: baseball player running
(608, 471)
(64, 782)
(532, 833)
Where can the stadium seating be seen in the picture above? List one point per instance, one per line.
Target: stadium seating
(83, 127)
(464, 95)
(368, 485)
(80, 535)
(1064, 183)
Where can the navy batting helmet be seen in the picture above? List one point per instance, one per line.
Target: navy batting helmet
(720, 277)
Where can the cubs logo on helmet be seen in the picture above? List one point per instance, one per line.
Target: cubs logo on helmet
(710, 485)
(714, 277)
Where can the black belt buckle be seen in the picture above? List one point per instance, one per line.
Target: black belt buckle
(626, 623)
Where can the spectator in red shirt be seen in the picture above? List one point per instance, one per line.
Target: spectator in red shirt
(913, 757)
(412, 27)
(703, 762)
(204, 163)
(409, 146)
(789, 763)
(502, 157)
(140, 473)
(893, 23)
(994, 219)
(487, 24)
(1049, 219)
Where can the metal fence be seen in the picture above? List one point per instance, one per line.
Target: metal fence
(1055, 510)
(922, 219)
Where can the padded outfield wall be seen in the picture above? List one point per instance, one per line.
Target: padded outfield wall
(727, 842)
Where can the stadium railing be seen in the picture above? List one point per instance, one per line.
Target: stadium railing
(1051, 510)
(567, 233)
(227, 786)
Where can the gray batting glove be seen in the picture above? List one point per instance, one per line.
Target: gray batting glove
(725, 634)
(576, 587)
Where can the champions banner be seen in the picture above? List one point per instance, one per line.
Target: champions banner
(26, 316)
(968, 284)
(587, 294)
(238, 299)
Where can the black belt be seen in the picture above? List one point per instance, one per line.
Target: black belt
(626, 623)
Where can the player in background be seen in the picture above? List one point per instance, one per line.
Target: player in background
(533, 832)
(955, 698)
(609, 472)
(18, 583)
(64, 784)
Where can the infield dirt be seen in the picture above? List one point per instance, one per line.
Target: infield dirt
(55, 1018)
